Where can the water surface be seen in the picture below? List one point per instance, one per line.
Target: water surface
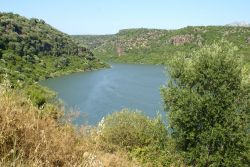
(98, 93)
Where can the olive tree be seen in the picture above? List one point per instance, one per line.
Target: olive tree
(207, 101)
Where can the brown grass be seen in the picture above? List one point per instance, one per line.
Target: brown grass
(29, 139)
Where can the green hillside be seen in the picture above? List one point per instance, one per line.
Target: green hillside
(158, 46)
(31, 50)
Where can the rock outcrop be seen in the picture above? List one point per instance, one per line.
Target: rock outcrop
(181, 39)
(248, 40)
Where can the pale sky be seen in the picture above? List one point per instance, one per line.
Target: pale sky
(109, 16)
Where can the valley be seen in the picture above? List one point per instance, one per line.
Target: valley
(167, 95)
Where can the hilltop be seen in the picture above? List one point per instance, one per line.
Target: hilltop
(155, 46)
(23, 37)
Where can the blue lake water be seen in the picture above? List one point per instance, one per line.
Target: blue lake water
(98, 93)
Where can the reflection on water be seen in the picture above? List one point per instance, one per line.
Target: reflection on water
(98, 93)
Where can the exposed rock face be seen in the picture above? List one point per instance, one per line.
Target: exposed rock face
(119, 48)
(199, 40)
(119, 51)
(248, 40)
(181, 39)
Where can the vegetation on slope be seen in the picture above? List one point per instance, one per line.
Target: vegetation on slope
(126, 138)
(159, 46)
(29, 139)
(31, 50)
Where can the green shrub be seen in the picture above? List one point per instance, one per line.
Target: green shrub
(146, 139)
(39, 95)
(208, 105)
(131, 129)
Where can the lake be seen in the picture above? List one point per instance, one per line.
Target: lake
(98, 93)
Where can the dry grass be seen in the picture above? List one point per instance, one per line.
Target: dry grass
(27, 139)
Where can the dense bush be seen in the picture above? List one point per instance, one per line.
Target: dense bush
(146, 139)
(132, 130)
(208, 100)
(39, 95)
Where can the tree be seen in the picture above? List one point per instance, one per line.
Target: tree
(208, 101)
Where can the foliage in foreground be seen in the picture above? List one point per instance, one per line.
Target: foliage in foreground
(28, 138)
(208, 100)
(145, 139)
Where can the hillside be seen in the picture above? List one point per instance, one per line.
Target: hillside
(158, 46)
(31, 50)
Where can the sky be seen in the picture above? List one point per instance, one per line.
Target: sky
(109, 16)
